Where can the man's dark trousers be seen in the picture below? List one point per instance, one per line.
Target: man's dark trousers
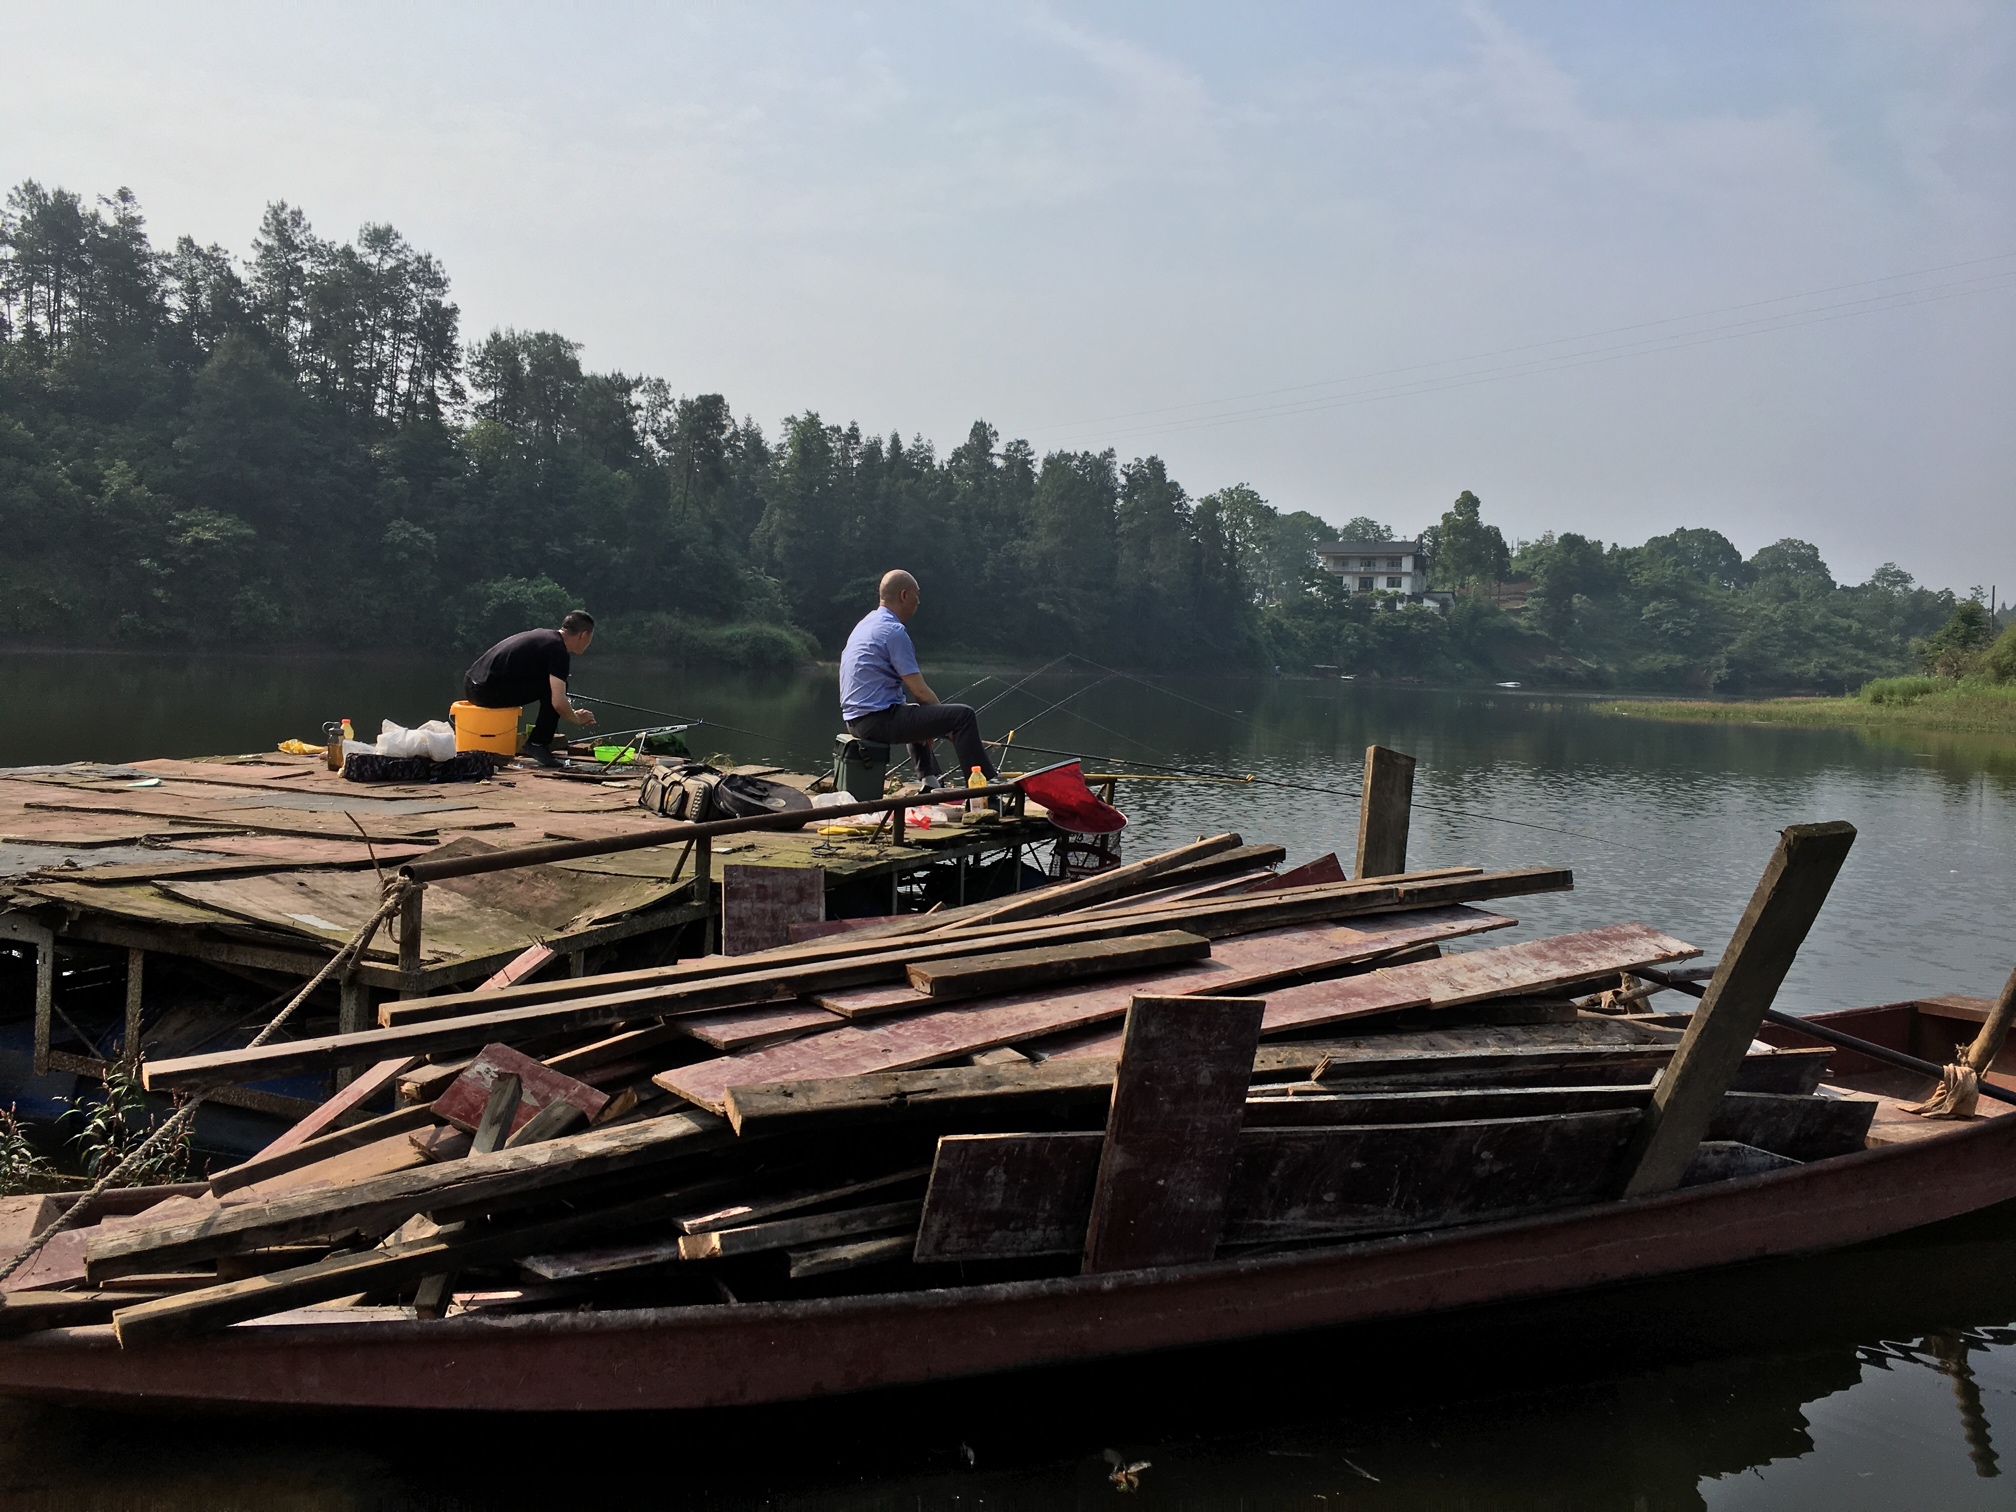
(543, 725)
(917, 725)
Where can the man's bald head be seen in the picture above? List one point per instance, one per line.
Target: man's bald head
(899, 593)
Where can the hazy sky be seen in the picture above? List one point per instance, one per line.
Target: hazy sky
(1617, 268)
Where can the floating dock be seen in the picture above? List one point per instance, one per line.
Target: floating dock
(262, 866)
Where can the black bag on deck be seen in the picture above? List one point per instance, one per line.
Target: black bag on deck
(739, 797)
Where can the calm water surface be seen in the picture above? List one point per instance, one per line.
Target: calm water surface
(1885, 1379)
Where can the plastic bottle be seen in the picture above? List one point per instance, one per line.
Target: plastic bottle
(348, 733)
(333, 756)
(976, 779)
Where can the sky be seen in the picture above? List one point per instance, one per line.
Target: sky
(1615, 269)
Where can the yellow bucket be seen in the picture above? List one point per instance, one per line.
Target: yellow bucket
(480, 729)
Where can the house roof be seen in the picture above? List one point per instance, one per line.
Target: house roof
(1354, 548)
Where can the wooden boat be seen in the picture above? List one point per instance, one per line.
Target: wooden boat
(1914, 1173)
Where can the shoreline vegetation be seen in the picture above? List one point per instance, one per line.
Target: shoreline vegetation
(206, 451)
(1967, 706)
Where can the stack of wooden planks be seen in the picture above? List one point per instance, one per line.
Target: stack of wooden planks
(1201, 1059)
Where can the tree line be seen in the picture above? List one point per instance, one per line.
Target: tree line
(300, 445)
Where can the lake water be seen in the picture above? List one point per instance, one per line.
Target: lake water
(1849, 1383)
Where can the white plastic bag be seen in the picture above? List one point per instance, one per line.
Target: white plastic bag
(435, 740)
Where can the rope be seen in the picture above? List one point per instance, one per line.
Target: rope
(395, 896)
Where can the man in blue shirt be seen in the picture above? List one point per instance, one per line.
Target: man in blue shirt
(879, 668)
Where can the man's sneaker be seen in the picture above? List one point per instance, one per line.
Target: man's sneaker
(543, 755)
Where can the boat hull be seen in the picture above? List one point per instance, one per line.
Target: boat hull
(741, 1355)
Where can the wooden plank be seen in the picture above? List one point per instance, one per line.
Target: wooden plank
(920, 1039)
(1788, 898)
(463, 1103)
(1005, 1196)
(1106, 884)
(268, 1164)
(744, 1028)
(386, 1154)
(853, 1255)
(1298, 1184)
(381, 1269)
(1019, 970)
(500, 1182)
(362, 1089)
(1178, 1099)
(759, 904)
(1214, 918)
(1385, 803)
(529, 960)
(792, 1233)
(1498, 971)
(36, 1312)
(1325, 868)
(586, 1061)
(1800, 1128)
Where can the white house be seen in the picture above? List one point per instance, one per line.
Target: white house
(1376, 566)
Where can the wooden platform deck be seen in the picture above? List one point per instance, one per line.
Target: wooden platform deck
(268, 863)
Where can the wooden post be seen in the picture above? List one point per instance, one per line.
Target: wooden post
(1994, 1030)
(410, 914)
(1172, 1129)
(1781, 911)
(354, 1008)
(703, 889)
(45, 998)
(136, 976)
(1383, 809)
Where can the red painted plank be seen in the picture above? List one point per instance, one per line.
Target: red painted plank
(367, 1085)
(519, 967)
(1172, 1131)
(742, 1028)
(759, 904)
(925, 1038)
(539, 1084)
(1309, 874)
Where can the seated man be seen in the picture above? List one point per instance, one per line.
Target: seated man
(879, 666)
(531, 667)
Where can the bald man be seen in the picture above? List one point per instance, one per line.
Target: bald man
(884, 698)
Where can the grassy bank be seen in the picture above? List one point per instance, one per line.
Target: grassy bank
(1968, 705)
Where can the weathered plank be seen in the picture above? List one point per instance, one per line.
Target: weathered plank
(781, 975)
(363, 1087)
(1324, 869)
(1788, 898)
(1497, 971)
(792, 1233)
(1292, 1184)
(380, 1269)
(1385, 804)
(34, 1312)
(1726, 1160)
(1004, 1196)
(500, 1182)
(850, 1255)
(743, 1028)
(1239, 965)
(759, 904)
(265, 1165)
(1178, 1096)
(463, 1103)
(1021, 970)
(1800, 1128)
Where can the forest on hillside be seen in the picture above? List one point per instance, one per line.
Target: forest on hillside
(302, 447)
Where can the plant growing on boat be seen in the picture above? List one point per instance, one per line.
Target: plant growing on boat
(21, 1164)
(116, 1124)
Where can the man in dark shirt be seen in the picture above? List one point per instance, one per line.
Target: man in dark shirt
(531, 667)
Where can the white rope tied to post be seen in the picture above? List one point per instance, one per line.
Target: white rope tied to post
(395, 890)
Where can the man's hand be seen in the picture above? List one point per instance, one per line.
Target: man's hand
(584, 716)
(566, 710)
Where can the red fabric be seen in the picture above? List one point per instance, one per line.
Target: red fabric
(1073, 806)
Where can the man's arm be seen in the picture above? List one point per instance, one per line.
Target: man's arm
(919, 689)
(567, 711)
